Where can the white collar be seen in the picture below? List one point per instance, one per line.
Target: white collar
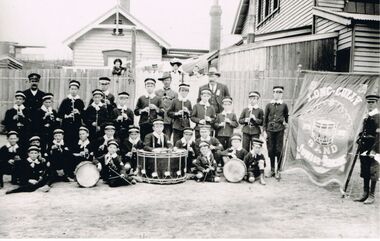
(108, 157)
(134, 142)
(61, 143)
(256, 106)
(238, 149)
(158, 135)
(373, 112)
(97, 106)
(83, 143)
(34, 92)
(33, 162)
(150, 96)
(49, 110)
(207, 104)
(106, 92)
(106, 138)
(276, 102)
(182, 99)
(225, 113)
(73, 98)
(185, 143)
(14, 147)
(207, 139)
(21, 107)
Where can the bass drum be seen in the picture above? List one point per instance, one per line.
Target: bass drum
(86, 174)
(234, 170)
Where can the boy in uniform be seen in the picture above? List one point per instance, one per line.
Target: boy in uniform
(205, 164)
(188, 144)
(203, 113)
(157, 139)
(225, 123)
(70, 112)
(101, 142)
(95, 115)
(275, 123)
(251, 118)
(10, 157)
(180, 111)
(148, 107)
(130, 147)
(122, 116)
(236, 150)
(19, 119)
(84, 150)
(255, 162)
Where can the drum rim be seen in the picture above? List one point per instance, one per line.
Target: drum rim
(181, 153)
(238, 161)
(81, 164)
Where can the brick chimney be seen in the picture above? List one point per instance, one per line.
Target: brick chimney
(215, 13)
(125, 4)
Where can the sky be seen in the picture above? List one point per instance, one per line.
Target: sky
(182, 23)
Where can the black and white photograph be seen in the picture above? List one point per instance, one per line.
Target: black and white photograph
(189, 119)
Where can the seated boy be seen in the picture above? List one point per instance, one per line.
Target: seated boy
(10, 157)
(112, 168)
(188, 144)
(156, 140)
(61, 159)
(101, 142)
(205, 164)
(236, 150)
(83, 151)
(255, 162)
(34, 172)
(130, 147)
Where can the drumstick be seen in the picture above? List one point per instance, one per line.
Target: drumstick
(120, 176)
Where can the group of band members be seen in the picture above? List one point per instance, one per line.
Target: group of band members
(44, 145)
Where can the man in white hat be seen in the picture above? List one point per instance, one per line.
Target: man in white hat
(218, 90)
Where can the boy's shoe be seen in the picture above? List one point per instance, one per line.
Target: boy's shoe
(262, 181)
(45, 188)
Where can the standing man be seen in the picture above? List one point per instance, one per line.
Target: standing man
(167, 96)
(275, 123)
(33, 99)
(218, 90)
(369, 144)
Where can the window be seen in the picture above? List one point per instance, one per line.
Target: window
(265, 9)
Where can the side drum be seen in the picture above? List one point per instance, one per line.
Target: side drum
(234, 170)
(86, 174)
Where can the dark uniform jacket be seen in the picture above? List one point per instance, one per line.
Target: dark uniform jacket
(86, 148)
(112, 166)
(151, 142)
(92, 114)
(228, 128)
(60, 157)
(109, 106)
(33, 101)
(240, 153)
(100, 147)
(217, 96)
(167, 97)
(36, 170)
(253, 126)
(203, 162)
(22, 125)
(180, 121)
(147, 118)
(129, 147)
(198, 114)
(275, 115)
(370, 135)
(122, 126)
(47, 122)
(212, 141)
(66, 108)
(8, 152)
(252, 163)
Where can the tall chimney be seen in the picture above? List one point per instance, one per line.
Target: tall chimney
(215, 13)
(125, 4)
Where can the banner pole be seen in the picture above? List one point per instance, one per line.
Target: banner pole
(350, 172)
(285, 150)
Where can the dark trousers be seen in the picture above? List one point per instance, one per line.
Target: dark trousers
(6, 168)
(248, 140)
(225, 141)
(168, 130)
(275, 143)
(177, 135)
(28, 187)
(145, 129)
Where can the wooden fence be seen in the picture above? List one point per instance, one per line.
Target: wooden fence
(56, 81)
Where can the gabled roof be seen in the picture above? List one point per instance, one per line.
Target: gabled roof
(240, 17)
(344, 17)
(70, 40)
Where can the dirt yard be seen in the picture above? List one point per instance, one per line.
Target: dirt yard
(292, 208)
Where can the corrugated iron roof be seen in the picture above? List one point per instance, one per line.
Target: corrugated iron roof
(354, 16)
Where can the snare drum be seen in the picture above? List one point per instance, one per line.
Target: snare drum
(234, 170)
(86, 174)
(163, 167)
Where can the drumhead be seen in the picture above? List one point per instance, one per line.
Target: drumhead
(86, 174)
(234, 170)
